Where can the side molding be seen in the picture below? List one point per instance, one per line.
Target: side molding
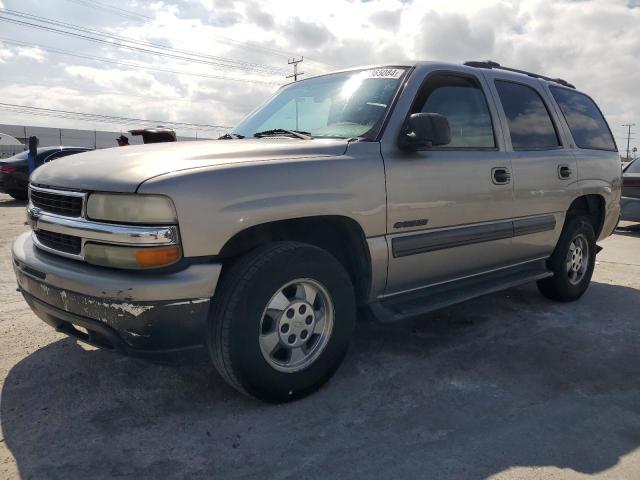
(429, 241)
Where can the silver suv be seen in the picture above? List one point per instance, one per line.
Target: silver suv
(397, 189)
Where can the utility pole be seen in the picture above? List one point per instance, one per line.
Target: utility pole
(60, 136)
(628, 125)
(295, 75)
(294, 62)
(95, 139)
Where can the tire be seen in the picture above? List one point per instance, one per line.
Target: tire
(239, 325)
(568, 283)
(18, 195)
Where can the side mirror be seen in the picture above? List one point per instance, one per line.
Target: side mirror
(424, 130)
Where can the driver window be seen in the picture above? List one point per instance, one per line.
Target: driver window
(461, 100)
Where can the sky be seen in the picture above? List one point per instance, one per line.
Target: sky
(594, 44)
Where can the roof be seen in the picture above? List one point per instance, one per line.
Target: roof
(473, 65)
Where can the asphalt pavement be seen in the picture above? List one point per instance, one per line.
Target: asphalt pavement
(507, 386)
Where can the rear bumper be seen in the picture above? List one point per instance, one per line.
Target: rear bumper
(161, 316)
(630, 209)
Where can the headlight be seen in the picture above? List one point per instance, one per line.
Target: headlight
(131, 257)
(123, 208)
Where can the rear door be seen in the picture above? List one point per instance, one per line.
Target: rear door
(545, 171)
(450, 207)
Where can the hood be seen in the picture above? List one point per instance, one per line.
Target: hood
(123, 169)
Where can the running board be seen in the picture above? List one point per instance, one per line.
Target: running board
(411, 304)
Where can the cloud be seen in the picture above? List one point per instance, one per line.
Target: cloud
(453, 37)
(33, 53)
(308, 34)
(5, 54)
(593, 44)
(386, 19)
(258, 16)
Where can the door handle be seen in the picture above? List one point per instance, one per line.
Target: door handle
(500, 175)
(564, 172)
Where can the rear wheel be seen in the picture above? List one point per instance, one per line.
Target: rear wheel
(282, 321)
(572, 262)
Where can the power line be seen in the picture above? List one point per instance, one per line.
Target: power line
(163, 99)
(93, 117)
(132, 65)
(146, 19)
(112, 9)
(130, 43)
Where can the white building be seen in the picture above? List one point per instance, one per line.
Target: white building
(9, 145)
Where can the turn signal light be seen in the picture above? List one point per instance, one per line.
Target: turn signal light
(116, 256)
(157, 257)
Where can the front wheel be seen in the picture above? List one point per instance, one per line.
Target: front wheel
(282, 321)
(572, 262)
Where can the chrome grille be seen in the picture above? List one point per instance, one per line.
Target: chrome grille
(57, 203)
(60, 242)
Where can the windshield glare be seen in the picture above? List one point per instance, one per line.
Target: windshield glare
(340, 105)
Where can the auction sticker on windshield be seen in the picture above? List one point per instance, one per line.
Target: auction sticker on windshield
(383, 73)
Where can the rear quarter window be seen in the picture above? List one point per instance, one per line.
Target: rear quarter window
(587, 124)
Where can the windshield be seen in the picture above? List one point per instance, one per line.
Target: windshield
(340, 105)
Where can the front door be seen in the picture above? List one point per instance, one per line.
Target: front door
(449, 208)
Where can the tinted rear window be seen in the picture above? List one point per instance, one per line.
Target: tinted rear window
(588, 127)
(530, 125)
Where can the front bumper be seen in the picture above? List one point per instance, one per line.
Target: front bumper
(630, 209)
(152, 315)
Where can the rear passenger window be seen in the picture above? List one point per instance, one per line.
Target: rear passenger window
(462, 101)
(588, 127)
(530, 124)
(529, 121)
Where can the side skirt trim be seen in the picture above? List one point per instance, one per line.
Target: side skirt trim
(429, 241)
(418, 302)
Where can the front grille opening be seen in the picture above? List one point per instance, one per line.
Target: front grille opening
(60, 242)
(60, 204)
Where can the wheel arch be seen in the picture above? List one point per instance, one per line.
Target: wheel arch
(593, 206)
(341, 236)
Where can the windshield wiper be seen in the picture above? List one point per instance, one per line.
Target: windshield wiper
(231, 136)
(282, 131)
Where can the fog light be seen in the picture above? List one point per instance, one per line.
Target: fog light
(131, 257)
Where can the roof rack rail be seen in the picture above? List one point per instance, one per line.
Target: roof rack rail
(490, 64)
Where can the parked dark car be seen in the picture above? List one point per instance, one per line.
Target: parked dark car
(14, 171)
(630, 201)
